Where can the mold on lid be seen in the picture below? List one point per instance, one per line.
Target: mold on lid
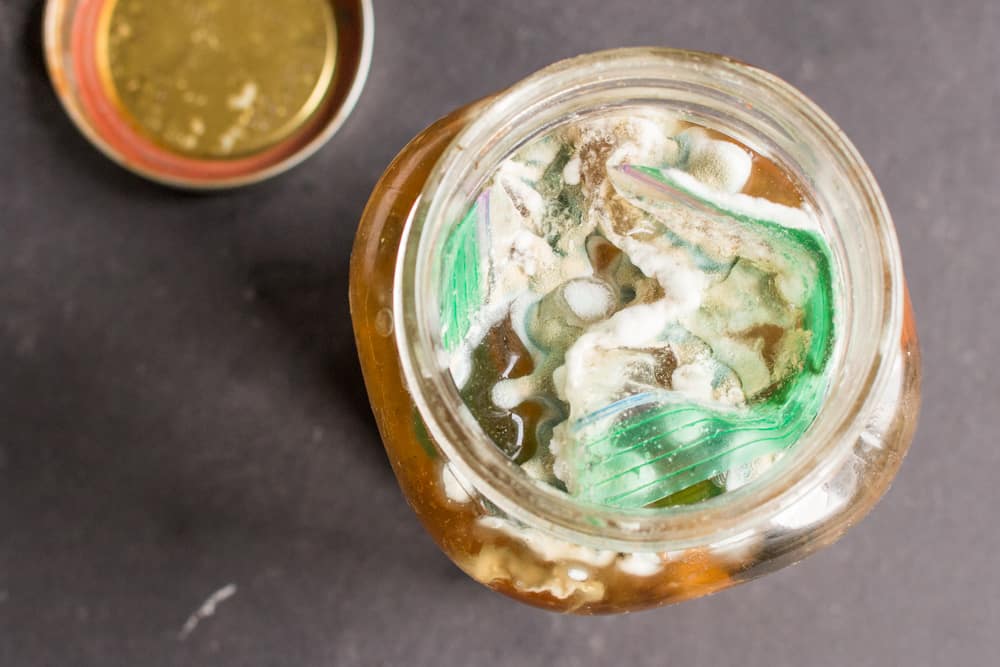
(208, 94)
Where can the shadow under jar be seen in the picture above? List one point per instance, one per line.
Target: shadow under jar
(557, 549)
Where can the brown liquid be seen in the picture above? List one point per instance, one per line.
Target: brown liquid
(503, 356)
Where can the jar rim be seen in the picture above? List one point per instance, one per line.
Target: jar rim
(708, 82)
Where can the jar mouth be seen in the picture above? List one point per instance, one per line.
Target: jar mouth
(771, 117)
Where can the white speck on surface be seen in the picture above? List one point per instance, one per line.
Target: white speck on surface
(571, 172)
(460, 366)
(508, 394)
(207, 609)
(587, 299)
(245, 98)
(641, 564)
(228, 138)
(536, 469)
(718, 164)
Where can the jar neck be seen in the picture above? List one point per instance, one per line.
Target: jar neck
(770, 117)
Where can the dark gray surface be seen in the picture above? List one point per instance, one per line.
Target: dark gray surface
(180, 405)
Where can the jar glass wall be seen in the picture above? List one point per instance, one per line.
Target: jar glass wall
(536, 543)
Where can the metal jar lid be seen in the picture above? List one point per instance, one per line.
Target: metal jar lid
(208, 94)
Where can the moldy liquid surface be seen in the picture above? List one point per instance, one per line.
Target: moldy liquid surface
(639, 311)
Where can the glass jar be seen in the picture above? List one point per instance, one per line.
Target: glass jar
(535, 543)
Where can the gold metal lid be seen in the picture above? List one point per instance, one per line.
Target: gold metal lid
(208, 94)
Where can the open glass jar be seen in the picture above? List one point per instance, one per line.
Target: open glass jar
(534, 542)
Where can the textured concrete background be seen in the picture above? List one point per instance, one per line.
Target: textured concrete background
(181, 409)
